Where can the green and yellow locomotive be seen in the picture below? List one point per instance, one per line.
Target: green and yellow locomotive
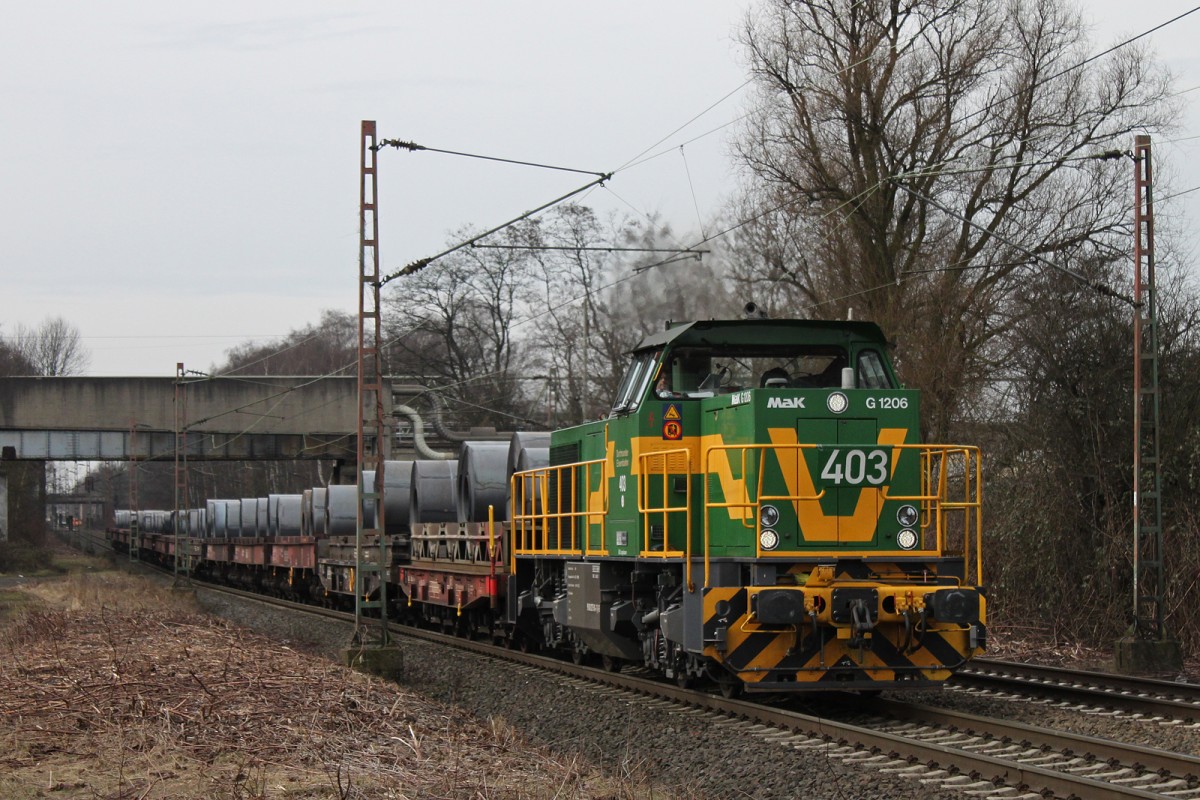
(756, 510)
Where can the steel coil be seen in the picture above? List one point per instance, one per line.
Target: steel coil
(320, 511)
(219, 518)
(288, 510)
(530, 490)
(306, 512)
(249, 524)
(272, 514)
(534, 458)
(397, 495)
(233, 518)
(262, 518)
(190, 519)
(434, 495)
(368, 514)
(522, 441)
(342, 502)
(482, 480)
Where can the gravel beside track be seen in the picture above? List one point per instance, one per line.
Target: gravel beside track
(676, 752)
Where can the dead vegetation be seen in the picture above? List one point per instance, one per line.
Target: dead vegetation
(149, 699)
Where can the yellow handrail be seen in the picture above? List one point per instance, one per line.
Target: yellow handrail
(539, 530)
(937, 463)
(649, 465)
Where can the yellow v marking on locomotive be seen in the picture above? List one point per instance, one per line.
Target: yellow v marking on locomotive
(732, 489)
(815, 525)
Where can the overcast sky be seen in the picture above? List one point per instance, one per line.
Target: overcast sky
(177, 178)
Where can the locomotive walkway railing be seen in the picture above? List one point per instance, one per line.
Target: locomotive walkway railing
(949, 498)
(546, 518)
(562, 510)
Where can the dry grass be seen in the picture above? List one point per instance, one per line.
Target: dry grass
(1043, 646)
(115, 689)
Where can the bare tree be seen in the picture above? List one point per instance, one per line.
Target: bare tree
(52, 348)
(328, 347)
(451, 327)
(12, 362)
(573, 315)
(911, 155)
(542, 316)
(598, 303)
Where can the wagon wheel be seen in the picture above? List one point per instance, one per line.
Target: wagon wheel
(610, 664)
(731, 688)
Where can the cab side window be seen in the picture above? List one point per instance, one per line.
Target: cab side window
(633, 386)
(871, 373)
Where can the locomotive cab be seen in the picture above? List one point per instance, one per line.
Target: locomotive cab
(757, 509)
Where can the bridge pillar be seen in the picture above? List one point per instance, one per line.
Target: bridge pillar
(23, 500)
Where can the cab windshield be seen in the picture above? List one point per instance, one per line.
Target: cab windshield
(694, 372)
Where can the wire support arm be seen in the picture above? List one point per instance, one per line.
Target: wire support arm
(413, 147)
(591, 249)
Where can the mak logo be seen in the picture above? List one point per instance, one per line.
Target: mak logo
(785, 402)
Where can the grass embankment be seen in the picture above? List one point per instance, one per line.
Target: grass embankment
(117, 687)
(55, 557)
(56, 561)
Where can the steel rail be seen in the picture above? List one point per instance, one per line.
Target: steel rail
(1132, 755)
(1145, 695)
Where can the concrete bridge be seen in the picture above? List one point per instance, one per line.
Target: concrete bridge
(226, 418)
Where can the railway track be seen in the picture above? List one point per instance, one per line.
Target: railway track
(1159, 700)
(982, 757)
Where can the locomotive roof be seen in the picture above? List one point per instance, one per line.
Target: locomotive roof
(765, 331)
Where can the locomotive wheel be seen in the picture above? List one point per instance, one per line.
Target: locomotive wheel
(577, 656)
(730, 689)
(682, 679)
(610, 664)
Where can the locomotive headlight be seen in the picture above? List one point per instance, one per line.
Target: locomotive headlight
(837, 402)
(906, 539)
(768, 539)
(768, 516)
(906, 516)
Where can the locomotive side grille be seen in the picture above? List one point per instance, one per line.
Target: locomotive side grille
(561, 498)
(564, 454)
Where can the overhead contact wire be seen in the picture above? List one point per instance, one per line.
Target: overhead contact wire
(417, 266)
